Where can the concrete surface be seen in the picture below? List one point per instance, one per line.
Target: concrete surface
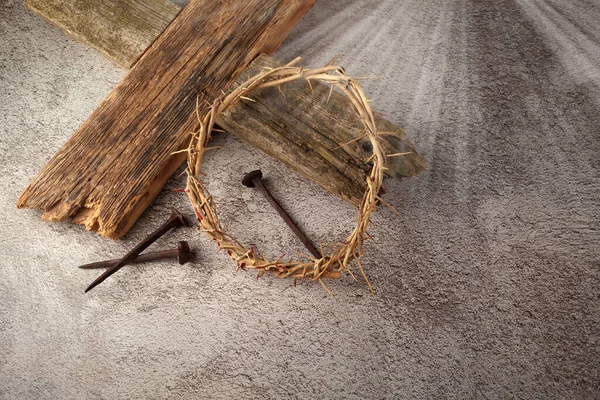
(487, 284)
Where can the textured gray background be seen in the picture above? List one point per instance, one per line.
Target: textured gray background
(487, 284)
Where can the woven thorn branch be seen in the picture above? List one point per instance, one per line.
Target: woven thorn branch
(331, 264)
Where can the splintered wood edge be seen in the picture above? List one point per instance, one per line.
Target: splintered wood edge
(87, 214)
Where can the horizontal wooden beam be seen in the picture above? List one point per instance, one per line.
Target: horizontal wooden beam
(120, 29)
(309, 129)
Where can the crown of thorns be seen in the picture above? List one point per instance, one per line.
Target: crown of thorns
(331, 264)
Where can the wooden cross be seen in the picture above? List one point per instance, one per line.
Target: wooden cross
(114, 165)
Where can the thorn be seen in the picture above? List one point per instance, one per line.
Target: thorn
(399, 154)
(212, 148)
(352, 141)
(333, 60)
(326, 288)
(180, 151)
(362, 271)
(330, 92)
(351, 274)
(310, 85)
(389, 205)
(279, 88)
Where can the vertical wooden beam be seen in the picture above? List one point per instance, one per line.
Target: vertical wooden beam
(114, 165)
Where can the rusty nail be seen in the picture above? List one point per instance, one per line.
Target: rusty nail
(176, 220)
(182, 254)
(254, 179)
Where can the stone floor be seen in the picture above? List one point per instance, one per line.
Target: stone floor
(488, 283)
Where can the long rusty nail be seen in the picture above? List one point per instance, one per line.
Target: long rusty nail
(176, 220)
(182, 254)
(254, 179)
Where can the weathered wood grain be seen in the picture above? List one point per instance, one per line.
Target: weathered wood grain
(304, 129)
(119, 29)
(114, 165)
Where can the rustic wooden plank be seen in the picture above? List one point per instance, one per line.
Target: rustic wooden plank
(119, 29)
(304, 129)
(114, 165)
(122, 29)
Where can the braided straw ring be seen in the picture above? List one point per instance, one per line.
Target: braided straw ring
(329, 265)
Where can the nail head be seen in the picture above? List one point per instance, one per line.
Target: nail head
(248, 180)
(183, 254)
